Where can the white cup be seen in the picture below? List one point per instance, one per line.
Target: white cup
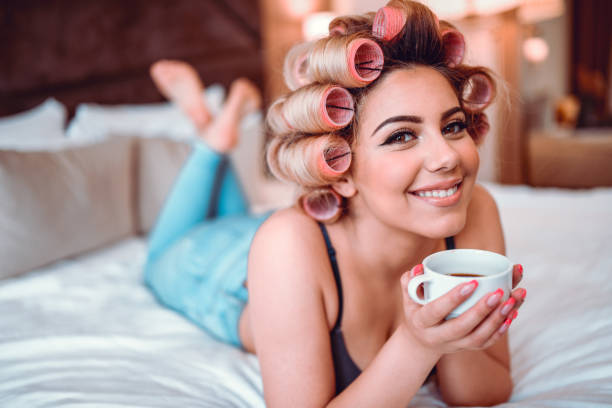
(440, 269)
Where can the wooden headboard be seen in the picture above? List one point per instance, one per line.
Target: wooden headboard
(100, 51)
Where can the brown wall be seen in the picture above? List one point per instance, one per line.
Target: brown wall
(280, 30)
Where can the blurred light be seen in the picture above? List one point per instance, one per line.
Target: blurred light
(529, 11)
(455, 10)
(532, 11)
(299, 8)
(535, 49)
(316, 25)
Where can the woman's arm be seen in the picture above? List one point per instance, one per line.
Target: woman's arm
(291, 327)
(474, 377)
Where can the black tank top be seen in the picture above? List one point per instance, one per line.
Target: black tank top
(345, 369)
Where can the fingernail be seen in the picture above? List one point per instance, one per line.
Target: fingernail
(470, 287)
(508, 305)
(523, 293)
(520, 269)
(514, 314)
(505, 326)
(416, 270)
(494, 299)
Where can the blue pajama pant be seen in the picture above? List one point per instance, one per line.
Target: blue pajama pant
(197, 258)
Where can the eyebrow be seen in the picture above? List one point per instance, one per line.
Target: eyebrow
(415, 119)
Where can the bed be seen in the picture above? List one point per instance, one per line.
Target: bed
(79, 328)
(85, 331)
(83, 176)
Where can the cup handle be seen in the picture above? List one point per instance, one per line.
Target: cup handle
(413, 285)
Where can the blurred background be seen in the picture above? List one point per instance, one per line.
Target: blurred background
(554, 57)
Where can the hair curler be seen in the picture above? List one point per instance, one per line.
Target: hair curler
(312, 161)
(312, 109)
(337, 27)
(347, 25)
(323, 205)
(453, 44)
(388, 23)
(350, 62)
(478, 92)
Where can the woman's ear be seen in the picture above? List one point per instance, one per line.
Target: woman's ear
(345, 186)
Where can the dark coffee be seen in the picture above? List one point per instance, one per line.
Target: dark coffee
(466, 275)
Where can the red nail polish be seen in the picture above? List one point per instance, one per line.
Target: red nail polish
(508, 305)
(504, 327)
(520, 269)
(524, 294)
(514, 314)
(419, 268)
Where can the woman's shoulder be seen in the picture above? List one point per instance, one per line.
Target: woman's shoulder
(290, 224)
(289, 250)
(293, 238)
(483, 227)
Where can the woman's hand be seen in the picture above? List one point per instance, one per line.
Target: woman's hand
(478, 328)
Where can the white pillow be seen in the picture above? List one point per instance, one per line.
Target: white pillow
(34, 128)
(93, 121)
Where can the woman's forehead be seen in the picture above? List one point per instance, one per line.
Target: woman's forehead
(419, 90)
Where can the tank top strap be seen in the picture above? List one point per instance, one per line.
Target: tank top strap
(331, 253)
(450, 242)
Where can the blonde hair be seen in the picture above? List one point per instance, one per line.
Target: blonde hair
(312, 109)
(311, 128)
(311, 161)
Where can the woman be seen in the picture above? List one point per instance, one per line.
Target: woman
(381, 132)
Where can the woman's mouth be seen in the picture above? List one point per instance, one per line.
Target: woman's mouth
(440, 197)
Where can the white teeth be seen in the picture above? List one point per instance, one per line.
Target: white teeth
(438, 193)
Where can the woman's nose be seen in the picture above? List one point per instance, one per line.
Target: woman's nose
(440, 156)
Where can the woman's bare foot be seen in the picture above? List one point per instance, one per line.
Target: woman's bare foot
(180, 83)
(243, 98)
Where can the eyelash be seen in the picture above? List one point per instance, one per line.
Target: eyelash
(393, 139)
(460, 123)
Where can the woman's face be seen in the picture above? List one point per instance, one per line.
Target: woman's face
(414, 163)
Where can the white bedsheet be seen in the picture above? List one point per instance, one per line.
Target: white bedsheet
(87, 333)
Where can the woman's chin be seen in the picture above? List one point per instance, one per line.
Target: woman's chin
(447, 227)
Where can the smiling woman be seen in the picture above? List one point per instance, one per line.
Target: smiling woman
(380, 133)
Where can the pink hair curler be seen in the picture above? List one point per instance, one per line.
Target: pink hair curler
(323, 205)
(453, 44)
(310, 161)
(338, 28)
(365, 60)
(388, 22)
(335, 157)
(336, 108)
(478, 92)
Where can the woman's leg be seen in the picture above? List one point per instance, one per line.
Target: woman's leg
(179, 82)
(199, 246)
(202, 274)
(207, 186)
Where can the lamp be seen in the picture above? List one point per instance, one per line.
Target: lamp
(316, 25)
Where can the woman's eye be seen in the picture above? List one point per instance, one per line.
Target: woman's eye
(402, 136)
(454, 128)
